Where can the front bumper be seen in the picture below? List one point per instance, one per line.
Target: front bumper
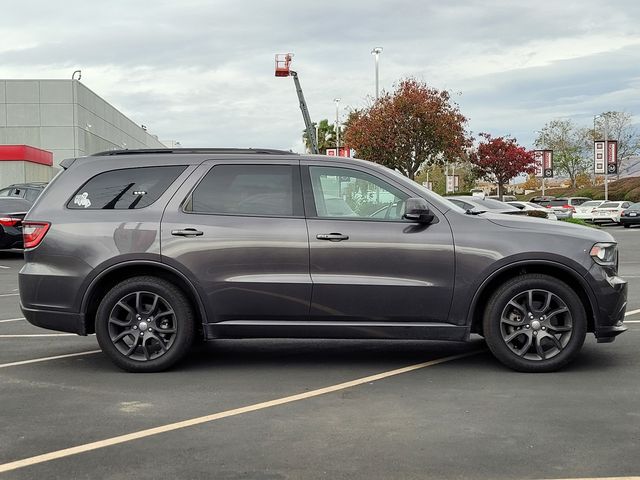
(611, 296)
(55, 320)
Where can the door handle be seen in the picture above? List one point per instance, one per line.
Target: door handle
(187, 232)
(333, 237)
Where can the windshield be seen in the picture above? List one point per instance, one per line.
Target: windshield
(610, 205)
(591, 204)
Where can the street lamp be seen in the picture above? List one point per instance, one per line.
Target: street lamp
(604, 116)
(337, 101)
(377, 51)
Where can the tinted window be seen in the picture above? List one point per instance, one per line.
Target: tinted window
(248, 190)
(11, 192)
(591, 204)
(610, 205)
(32, 194)
(125, 189)
(578, 201)
(342, 192)
(635, 206)
(558, 203)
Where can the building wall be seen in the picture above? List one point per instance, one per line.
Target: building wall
(66, 118)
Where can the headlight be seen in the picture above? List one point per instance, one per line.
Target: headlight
(604, 253)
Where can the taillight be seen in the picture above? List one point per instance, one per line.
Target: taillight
(10, 221)
(569, 207)
(33, 233)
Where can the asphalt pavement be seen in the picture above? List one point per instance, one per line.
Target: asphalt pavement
(304, 409)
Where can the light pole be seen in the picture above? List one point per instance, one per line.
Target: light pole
(605, 117)
(544, 146)
(377, 51)
(337, 101)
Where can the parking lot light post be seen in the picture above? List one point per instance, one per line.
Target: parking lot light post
(606, 157)
(337, 101)
(377, 51)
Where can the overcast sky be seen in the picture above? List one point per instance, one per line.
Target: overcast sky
(202, 72)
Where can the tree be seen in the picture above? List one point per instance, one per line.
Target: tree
(403, 130)
(568, 144)
(622, 129)
(326, 136)
(532, 183)
(500, 159)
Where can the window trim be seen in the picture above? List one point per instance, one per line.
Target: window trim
(309, 200)
(298, 207)
(66, 204)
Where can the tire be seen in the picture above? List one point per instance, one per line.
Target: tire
(541, 331)
(145, 305)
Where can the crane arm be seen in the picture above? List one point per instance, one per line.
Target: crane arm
(311, 133)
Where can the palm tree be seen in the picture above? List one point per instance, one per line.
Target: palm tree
(326, 136)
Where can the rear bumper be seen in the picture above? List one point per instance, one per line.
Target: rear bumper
(55, 320)
(10, 237)
(630, 220)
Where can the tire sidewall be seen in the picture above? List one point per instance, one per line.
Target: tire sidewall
(183, 315)
(510, 289)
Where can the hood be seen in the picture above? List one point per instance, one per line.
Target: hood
(552, 227)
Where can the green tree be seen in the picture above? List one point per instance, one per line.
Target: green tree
(568, 144)
(326, 136)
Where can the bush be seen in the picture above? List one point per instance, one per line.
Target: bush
(578, 221)
(537, 214)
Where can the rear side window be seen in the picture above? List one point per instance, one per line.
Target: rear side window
(272, 190)
(124, 189)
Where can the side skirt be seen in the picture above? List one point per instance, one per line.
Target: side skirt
(343, 330)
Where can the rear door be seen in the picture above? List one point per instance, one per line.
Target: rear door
(237, 230)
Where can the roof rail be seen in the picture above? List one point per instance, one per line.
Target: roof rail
(216, 151)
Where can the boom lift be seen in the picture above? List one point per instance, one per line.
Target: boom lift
(283, 61)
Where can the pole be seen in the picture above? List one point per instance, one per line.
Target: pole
(377, 51)
(606, 157)
(337, 100)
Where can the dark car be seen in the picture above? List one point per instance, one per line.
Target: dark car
(150, 249)
(630, 215)
(12, 211)
(28, 191)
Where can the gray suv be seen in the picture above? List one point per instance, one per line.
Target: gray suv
(153, 249)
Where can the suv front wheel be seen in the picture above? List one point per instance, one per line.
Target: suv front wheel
(145, 324)
(535, 323)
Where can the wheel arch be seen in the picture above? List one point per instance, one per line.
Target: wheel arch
(557, 270)
(121, 271)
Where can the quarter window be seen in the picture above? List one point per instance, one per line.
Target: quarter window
(272, 190)
(128, 188)
(342, 192)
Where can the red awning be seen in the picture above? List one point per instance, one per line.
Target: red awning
(25, 153)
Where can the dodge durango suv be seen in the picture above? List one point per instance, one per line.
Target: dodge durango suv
(151, 249)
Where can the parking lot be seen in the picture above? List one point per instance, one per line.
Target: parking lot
(316, 408)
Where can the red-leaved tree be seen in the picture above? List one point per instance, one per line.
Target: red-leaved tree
(500, 159)
(403, 130)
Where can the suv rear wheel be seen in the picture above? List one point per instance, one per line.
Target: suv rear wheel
(535, 323)
(145, 324)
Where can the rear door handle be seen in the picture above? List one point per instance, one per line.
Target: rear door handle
(187, 232)
(333, 237)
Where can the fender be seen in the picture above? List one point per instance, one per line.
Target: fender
(527, 263)
(132, 263)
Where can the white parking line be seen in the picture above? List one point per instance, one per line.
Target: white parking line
(9, 295)
(40, 335)
(5, 268)
(12, 320)
(87, 447)
(46, 359)
(632, 312)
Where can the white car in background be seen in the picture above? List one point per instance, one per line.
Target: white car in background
(529, 206)
(585, 210)
(609, 212)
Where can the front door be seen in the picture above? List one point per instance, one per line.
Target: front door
(367, 263)
(237, 229)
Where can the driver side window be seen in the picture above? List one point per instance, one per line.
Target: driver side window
(345, 193)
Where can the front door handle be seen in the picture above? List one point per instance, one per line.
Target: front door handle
(333, 237)
(187, 232)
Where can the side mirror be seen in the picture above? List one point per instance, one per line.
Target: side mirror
(417, 210)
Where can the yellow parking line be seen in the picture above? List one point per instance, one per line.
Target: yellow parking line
(87, 447)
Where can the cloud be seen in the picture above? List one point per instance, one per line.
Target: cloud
(202, 71)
